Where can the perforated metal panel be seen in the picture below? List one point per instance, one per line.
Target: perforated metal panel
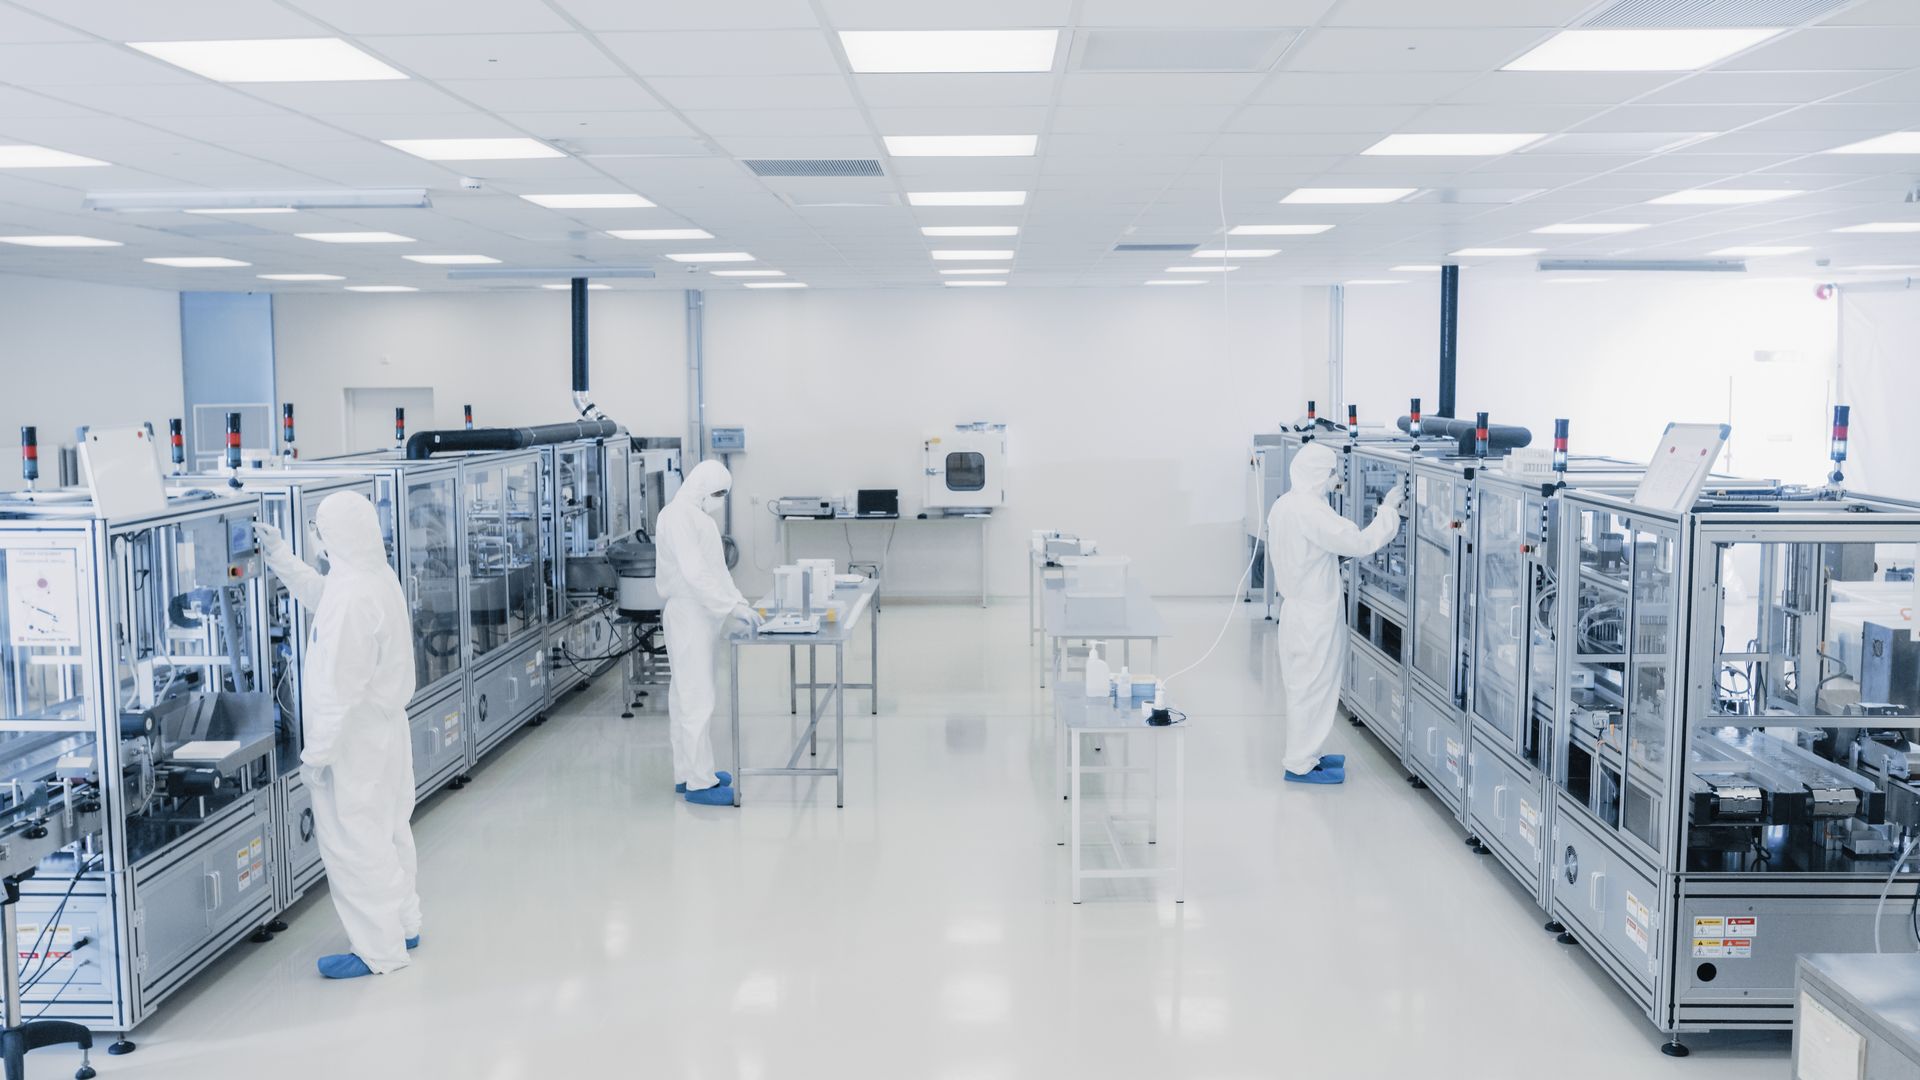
(813, 166)
(1155, 247)
(1712, 13)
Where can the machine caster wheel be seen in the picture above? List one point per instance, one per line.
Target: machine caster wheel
(1473, 841)
(628, 715)
(261, 936)
(1555, 927)
(1675, 1049)
(278, 926)
(120, 1047)
(1567, 939)
(1418, 784)
(538, 719)
(1482, 849)
(84, 1072)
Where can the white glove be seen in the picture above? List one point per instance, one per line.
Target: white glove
(749, 616)
(269, 537)
(1391, 504)
(314, 775)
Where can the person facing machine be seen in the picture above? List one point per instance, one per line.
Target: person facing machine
(1306, 539)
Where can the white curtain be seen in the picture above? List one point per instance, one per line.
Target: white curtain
(1880, 379)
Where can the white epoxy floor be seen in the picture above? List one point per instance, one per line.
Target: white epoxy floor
(583, 921)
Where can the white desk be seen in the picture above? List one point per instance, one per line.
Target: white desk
(850, 521)
(1079, 716)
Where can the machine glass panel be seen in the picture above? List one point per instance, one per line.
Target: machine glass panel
(488, 559)
(1593, 738)
(1435, 615)
(615, 484)
(1384, 571)
(1651, 692)
(433, 578)
(1501, 619)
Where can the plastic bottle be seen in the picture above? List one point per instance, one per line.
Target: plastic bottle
(1123, 689)
(1098, 673)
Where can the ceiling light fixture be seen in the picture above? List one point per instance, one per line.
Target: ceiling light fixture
(961, 145)
(776, 284)
(1337, 196)
(1574, 280)
(1722, 196)
(514, 149)
(59, 241)
(712, 256)
(1278, 230)
(1885, 266)
(300, 277)
(381, 288)
(1415, 268)
(1882, 227)
(24, 156)
(356, 237)
(1586, 229)
(748, 273)
(258, 202)
(271, 60)
(1235, 253)
(979, 270)
(1200, 269)
(1375, 281)
(1176, 281)
(491, 273)
(1450, 145)
(1639, 50)
(1492, 252)
(568, 285)
(970, 255)
(970, 230)
(612, 201)
(1756, 251)
(660, 234)
(1900, 142)
(195, 262)
(888, 52)
(966, 198)
(452, 260)
(982, 284)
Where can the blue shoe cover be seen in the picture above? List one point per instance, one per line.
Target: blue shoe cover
(413, 942)
(344, 965)
(1333, 761)
(1320, 775)
(719, 795)
(725, 778)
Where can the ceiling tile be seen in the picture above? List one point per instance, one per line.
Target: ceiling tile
(141, 20)
(1079, 118)
(970, 121)
(388, 17)
(1489, 13)
(1344, 50)
(977, 14)
(613, 94)
(1559, 87)
(1841, 49)
(20, 27)
(559, 126)
(1749, 88)
(1679, 117)
(1340, 88)
(1365, 118)
(84, 65)
(987, 90)
(731, 15)
(363, 98)
(769, 92)
(1200, 13)
(775, 145)
(494, 56)
(711, 53)
(1157, 89)
(796, 122)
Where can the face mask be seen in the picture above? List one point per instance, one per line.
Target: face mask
(713, 502)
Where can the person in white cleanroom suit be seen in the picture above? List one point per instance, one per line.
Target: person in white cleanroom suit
(358, 753)
(691, 570)
(1306, 539)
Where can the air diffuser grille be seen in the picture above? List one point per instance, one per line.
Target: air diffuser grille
(1155, 247)
(813, 166)
(1647, 14)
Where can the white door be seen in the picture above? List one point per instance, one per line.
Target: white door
(370, 414)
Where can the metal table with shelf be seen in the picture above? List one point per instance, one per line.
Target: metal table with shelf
(849, 520)
(1124, 619)
(1079, 716)
(850, 604)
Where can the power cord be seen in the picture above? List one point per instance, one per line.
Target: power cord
(1879, 909)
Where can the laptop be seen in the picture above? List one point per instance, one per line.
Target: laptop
(877, 503)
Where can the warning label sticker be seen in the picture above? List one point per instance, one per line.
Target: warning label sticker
(242, 858)
(1638, 912)
(1530, 832)
(33, 943)
(1746, 926)
(1637, 933)
(1722, 948)
(1739, 948)
(1454, 751)
(1529, 815)
(246, 877)
(450, 729)
(1709, 926)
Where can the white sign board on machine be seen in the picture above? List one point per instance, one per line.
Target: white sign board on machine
(1680, 467)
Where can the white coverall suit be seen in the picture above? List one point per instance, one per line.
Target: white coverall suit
(357, 757)
(1306, 539)
(691, 571)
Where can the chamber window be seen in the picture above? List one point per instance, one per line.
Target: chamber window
(966, 471)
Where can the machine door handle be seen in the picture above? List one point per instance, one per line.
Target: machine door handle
(1500, 802)
(1433, 736)
(213, 891)
(1596, 896)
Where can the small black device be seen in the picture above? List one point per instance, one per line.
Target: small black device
(877, 503)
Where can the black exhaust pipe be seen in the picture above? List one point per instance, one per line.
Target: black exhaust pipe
(425, 444)
(1500, 437)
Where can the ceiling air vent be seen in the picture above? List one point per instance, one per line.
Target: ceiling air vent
(1651, 14)
(1155, 247)
(1178, 50)
(813, 166)
(1684, 266)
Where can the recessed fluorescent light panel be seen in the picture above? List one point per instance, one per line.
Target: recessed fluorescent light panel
(591, 286)
(1337, 196)
(979, 270)
(712, 256)
(300, 277)
(1236, 253)
(452, 260)
(1584, 229)
(961, 145)
(1493, 252)
(970, 255)
(1722, 196)
(381, 288)
(966, 198)
(1201, 269)
(1900, 142)
(612, 201)
(1574, 280)
(1278, 230)
(1415, 268)
(59, 241)
(1884, 266)
(1639, 50)
(1883, 227)
(1754, 251)
(195, 262)
(271, 60)
(258, 202)
(748, 273)
(1376, 281)
(474, 149)
(246, 210)
(1176, 281)
(886, 52)
(22, 156)
(356, 237)
(1443, 145)
(776, 284)
(958, 284)
(660, 234)
(970, 230)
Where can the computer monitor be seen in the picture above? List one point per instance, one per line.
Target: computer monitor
(877, 502)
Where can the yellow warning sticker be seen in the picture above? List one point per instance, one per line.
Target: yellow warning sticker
(1709, 926)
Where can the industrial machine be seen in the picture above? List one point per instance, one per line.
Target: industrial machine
(598, 496)
(137, 726)
(966, 468)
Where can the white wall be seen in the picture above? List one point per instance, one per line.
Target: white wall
(1130, 410)
(74, 354)
(1619, 358)
(508, 355)
(1880, 336)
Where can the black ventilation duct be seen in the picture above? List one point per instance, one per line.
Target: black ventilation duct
(1500, 437)
(425, 444)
